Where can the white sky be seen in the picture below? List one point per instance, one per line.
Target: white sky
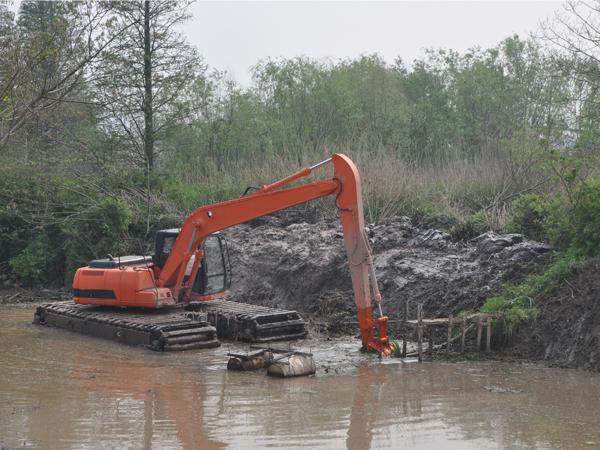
(233, 36)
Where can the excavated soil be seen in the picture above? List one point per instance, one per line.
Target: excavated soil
(303, 266)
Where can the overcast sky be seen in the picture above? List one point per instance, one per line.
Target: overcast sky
(235, 35)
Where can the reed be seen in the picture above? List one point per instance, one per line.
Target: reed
(453, 187)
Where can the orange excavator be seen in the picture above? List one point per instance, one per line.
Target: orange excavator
(190, 268)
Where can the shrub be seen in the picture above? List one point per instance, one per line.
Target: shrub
(586, 219)
(530, 214)
(98, 233)
(14, 236)
(544, 218)
(39, 262)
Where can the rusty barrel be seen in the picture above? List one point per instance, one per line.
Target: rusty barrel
(298, 364)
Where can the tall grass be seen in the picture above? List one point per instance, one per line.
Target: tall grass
(453, 187)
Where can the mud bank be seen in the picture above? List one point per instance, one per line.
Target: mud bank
(19, 295)
(567, 332)
(303, 266)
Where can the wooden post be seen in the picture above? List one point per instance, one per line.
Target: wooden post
(464, 334)
(449, 343)
(406, 303)
(420, 332)
(488, 344)
(430, 348)
(479, 330)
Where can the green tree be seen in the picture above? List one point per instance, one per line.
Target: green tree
(140, 78)
(46, 61)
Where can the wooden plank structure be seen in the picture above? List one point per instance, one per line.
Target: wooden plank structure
(427, 327)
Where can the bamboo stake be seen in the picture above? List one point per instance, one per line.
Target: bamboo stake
(488, 344)
(479, 330)
(430, 335)
(420, 331)
(405, 336)
(464, 334)
(449, 334)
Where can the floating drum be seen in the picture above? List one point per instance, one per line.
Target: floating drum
(297, 365)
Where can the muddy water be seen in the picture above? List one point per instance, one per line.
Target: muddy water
(63, 391)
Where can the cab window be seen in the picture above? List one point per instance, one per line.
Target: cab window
(214, 266)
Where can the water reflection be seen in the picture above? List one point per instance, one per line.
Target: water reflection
(467, 405)
(164, 395)
(362, 415)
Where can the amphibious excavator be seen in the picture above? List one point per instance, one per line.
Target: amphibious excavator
(175, 299)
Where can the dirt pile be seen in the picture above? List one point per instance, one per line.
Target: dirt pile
(303, 266)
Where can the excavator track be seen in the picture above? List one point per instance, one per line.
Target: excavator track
(251, 323)
(175, 329)
(162, 330)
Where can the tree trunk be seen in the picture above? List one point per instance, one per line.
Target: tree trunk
(148, 120)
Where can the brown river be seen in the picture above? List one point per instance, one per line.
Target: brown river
(63, 391)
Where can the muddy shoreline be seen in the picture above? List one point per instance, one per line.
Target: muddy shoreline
(280, 261)
(567, 332)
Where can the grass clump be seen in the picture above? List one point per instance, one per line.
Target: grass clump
(520, 302)
(469, 227)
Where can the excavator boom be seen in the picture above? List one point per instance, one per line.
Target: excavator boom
(345, 185)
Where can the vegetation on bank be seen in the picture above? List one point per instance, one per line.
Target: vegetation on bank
(571, 224)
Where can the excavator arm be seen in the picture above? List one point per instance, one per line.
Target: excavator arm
(345, 184)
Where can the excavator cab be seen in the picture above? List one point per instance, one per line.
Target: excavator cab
(214, 273)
